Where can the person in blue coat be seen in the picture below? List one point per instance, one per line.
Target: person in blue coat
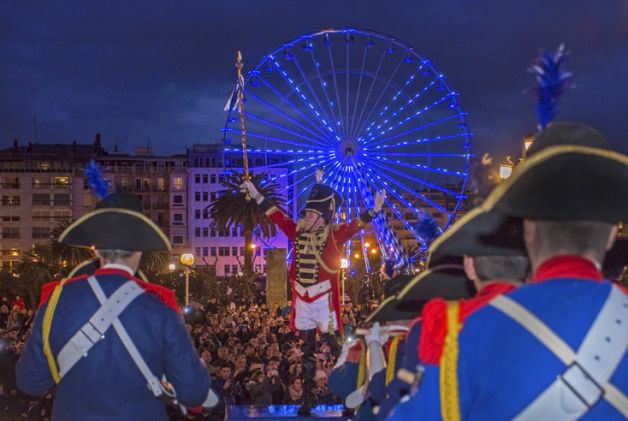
(556, 348)
(96, 376)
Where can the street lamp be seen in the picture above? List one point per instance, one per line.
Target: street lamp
(344, 264)
(505, 168)
(171, 267)
(187, 260)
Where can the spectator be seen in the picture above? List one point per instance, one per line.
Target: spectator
(294, 395)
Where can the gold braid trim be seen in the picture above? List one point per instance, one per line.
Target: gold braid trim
(448, 381)
(362, 367)
(47, 324)
(313, 246)
(392, 359)
(271, 210)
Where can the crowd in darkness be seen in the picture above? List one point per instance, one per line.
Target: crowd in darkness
(251, 353)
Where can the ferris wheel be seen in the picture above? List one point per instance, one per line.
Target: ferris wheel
(371, 111)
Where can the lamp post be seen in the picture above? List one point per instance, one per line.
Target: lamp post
(344, 264)
(187, 260)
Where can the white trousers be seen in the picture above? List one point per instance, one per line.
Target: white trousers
(316, 314)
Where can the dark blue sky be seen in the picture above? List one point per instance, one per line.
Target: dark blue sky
(161, 71)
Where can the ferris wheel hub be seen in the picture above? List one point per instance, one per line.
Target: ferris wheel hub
(347, 151)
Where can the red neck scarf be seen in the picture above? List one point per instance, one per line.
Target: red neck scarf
(568, 266)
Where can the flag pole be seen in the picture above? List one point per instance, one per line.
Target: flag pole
(245, 159)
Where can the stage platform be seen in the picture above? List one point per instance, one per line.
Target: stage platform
(282, 412)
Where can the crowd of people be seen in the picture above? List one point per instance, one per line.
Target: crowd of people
(253, 356)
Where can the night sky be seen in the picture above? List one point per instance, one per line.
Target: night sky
(160, 73)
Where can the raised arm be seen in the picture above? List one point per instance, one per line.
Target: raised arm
(345, 231)
(285, 224)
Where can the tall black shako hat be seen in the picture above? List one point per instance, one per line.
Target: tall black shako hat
(576, 178)
(324, 201)
(117, 223)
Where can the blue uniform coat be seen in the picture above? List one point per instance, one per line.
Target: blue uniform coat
(106, 384)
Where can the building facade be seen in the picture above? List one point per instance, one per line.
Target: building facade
(41, 187)
(224, 250)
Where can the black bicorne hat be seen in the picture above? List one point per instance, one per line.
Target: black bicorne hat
(448, 282)
(570, 175)
(324, 201)
(566, 183)
(117, 223)
(480, 233)
(567, 133)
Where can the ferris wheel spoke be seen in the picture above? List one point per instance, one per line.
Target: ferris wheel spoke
(391, 187)
(323, 84)
(374, 79)
(357, 97)
(418, 114)
(315, 165)
(256, 151)
(314, 95)
(347, 86)
(421, 167)
(399, 110)
(286, 130)
(287, 117)
(292, 106)
(264, 137)
(379, 98)
(289, 162)
(357, 208)
(377, 221)
(415, 179)
(435, 154)
(316, 113)
(419, 141)
(425, 126)
(307, 187)
(333, 73)
(388, 234)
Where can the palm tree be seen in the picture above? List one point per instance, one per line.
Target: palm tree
(30, 275)
(231, 208)
(62, 255)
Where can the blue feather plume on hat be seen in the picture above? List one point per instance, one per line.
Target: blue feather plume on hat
(551, 79)
(95, 180)
(427, 228)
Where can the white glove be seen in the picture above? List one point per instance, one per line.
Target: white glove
(380, 198)
(319, 175)
(376, 334)
(248, 187)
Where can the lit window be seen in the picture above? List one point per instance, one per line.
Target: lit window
(177, 183)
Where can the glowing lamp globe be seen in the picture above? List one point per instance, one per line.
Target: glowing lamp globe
(187, 259)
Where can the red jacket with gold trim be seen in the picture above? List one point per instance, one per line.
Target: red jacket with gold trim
(329, 266)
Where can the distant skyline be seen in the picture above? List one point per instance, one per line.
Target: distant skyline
(160, 73)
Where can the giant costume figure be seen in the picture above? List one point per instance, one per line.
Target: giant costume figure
(314, 271)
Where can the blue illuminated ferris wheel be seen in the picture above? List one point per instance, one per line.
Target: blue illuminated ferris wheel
(375, 114)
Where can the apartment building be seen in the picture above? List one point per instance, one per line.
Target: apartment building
(224, 250)
(40, 186)
(162, 184)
